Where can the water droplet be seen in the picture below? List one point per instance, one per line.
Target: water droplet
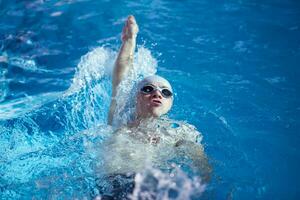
(174, 125)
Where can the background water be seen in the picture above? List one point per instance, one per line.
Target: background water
(233, 66)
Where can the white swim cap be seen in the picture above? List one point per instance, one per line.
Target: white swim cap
(154, 79)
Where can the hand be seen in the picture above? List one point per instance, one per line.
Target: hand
(130, 29)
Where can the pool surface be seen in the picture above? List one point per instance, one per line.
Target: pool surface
(233, 65)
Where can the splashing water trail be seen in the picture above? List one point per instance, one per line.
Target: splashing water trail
(50, 137)
(154, 184)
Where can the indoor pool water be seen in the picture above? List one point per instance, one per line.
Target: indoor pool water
(233, 65)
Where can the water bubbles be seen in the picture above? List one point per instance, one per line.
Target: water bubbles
(154, 184)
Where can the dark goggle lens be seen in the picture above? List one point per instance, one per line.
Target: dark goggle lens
(166, 93)
(147, 89)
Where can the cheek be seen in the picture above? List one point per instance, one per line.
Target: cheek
(168, 104)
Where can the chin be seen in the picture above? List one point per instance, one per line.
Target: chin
(156, 113)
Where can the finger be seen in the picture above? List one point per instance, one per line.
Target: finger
(131, 19)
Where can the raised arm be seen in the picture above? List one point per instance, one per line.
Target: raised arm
(124, 60)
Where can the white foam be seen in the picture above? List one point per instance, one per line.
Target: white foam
(154, 184)
(93, 66)
(153, 141)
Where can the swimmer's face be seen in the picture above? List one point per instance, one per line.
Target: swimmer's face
(153, 100)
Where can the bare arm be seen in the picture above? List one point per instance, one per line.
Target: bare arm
(124, 60)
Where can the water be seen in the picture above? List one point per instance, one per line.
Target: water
(232, 64)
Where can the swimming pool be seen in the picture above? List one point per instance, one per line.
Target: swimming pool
(233, 66)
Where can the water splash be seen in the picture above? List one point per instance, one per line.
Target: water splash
(53, 131)
(158, 143)
(93, 66)
(154, 184)
(91, 86)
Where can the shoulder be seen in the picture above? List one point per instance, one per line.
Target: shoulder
(182, 130)
(190, 132)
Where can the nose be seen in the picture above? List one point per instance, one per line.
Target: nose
(156, 94)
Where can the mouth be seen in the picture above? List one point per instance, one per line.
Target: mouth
(156, 102)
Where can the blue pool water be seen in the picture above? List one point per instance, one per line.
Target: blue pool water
(233, 66)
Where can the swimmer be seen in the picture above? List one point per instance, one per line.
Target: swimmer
(131, 148)
(154, 97)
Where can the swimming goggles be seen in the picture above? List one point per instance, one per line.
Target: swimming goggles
(148, 89)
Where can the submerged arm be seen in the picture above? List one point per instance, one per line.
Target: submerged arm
(195, 152)
(124, 60)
